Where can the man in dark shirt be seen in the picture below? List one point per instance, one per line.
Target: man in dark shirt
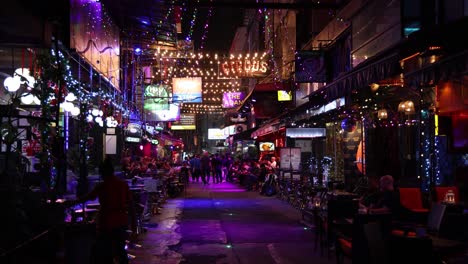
(388, 200)
(116, 209)
(205, 165)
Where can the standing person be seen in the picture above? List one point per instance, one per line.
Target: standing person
(227, 163)
(116, 206)
(218, 168)
(205, 166)
(195, 167)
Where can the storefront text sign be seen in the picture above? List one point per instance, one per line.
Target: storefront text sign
(247, 67)
(233, 99)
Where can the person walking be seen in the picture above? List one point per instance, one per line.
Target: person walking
(205, 166)
(195, 167)
(218, 168)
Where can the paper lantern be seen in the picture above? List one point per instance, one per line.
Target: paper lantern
(348, 125)
(12, 84)
(75, 111)
(27, 99)
(70, 97)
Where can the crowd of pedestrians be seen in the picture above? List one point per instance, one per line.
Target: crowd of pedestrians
(217, 168)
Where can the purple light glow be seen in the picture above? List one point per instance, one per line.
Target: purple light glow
(233, 99)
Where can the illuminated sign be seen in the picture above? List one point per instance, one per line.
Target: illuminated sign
(154, 142)
(216, 134)
(133, 130)
(186, 122)
(133, 139)
(312, 132)
(244, 68)
(234, 99)
(187, 90)
(171, 114)
(266, 146)
(284, 95)
(335, 104)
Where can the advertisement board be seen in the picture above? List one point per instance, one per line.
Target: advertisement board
(187, 90)
(216, 134)
(186, 122)
(171, 114)
(233, 99)
(266, 146)
(284, 95)
(290, 158)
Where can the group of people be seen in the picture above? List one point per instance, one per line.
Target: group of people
(222, 167)
(137, 166)
(206, 166)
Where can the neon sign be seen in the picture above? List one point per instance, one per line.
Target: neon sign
(244, 68)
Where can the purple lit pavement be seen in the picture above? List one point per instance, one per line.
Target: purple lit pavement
(222, 223)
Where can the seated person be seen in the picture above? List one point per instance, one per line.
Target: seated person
(388, 200)
(372, 193)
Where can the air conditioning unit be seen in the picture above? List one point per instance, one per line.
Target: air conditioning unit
(240, 128)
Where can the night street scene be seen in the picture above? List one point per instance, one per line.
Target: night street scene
(234, 132)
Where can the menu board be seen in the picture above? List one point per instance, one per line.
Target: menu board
(290, 158)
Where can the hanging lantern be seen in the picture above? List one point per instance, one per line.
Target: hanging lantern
(12, 84)
(406, 107)
(374, 87)
(75, 111)
(348, 125)
(27, 99)
(409, 107)
(382, 114)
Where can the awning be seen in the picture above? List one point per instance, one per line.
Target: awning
(245, 135)
(453, 66)
(375, 69)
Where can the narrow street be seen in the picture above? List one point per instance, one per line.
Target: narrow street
(223, 223)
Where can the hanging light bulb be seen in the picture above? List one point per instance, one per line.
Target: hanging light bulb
(27, 99)
(382, 114)
(12, 84)
(70, 97)
(75, 111)
(36, 100)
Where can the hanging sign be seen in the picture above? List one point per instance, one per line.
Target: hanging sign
(247, 67)
(233, 99)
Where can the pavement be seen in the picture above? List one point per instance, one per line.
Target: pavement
(223, 223)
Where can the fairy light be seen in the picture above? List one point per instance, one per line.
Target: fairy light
(205, 28)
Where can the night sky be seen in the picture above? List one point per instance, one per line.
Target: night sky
(221, 30)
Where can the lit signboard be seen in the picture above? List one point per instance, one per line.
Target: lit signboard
(266, 146)
(171, 114)
(133, 130)
(186, 122)
(133, 139)
(312, 132)
(157, 104)
(216, 134)
(284, 95)
(234, 99)
(187, 90)
(246, 67)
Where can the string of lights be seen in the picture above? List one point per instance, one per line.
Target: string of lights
(206, 27)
